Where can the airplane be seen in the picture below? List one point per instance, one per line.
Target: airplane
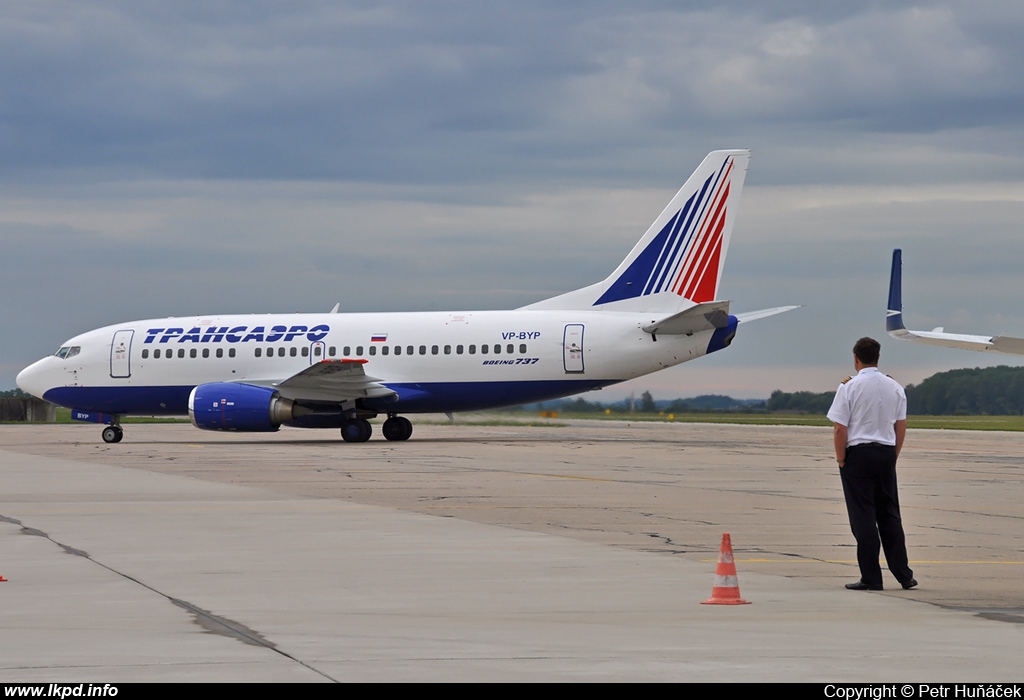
(255, 373)
(894, 323)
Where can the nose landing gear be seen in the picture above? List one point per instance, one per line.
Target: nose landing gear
(112, 433)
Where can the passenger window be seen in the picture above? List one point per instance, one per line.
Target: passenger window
(259, 352)
(220, 352)
(293, 351)
(423, 349)
(333, 351)
(458, 349)
(373, 349)
(231, 352)
(359, 351)
(145, 354)
(280, 352)
(193, 353)
(384, 350)
(156, 354)
(472, 349)
(316, 351)
(347, 351)
(206, 352)
(483, 349)
(447, 349)
(510, 348)
(305, 351)
(181, 352)
(522, 349)
(433, 349)
(497, 349)
(409, 350)
(398, 349)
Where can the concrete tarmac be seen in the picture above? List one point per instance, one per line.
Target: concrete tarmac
(568, 551)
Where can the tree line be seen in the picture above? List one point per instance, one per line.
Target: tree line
(992, 391)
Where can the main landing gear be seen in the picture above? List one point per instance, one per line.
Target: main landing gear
(359, 429)
(397, 428)
(356, 430)
(112, 433)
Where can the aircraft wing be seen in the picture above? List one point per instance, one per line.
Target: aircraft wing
(894, 323)
(333, 381)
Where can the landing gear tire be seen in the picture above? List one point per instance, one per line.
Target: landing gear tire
(356, 430)
(112, 433)
(397, 428)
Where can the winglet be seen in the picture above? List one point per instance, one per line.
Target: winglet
(894, 311)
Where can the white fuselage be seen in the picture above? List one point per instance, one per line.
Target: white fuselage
(441, 361)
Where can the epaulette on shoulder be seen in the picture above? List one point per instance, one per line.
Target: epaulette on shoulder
(846, 380)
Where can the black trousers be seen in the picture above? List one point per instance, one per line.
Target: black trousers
(869, 484)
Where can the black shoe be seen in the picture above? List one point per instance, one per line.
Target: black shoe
(861, 586)
(907, 585)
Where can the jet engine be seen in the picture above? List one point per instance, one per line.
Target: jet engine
(241, 407)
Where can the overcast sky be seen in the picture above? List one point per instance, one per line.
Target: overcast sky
(176, 158)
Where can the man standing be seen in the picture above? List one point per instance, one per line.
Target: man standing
(869, 414)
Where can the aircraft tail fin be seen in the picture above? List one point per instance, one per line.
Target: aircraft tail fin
(679, 260)
(894, 310)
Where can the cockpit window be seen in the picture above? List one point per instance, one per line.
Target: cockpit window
(68, 351)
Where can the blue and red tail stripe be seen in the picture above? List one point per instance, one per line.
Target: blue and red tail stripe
(684, 257)
(699, 285)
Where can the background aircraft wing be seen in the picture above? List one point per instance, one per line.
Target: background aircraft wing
(894, 323)
(334, 381)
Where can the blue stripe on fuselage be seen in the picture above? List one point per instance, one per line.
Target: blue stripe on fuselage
(424, 397)
(141, 400)
(439, 397)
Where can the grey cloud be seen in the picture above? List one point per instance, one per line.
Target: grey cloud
(425, 92)
(256, 156)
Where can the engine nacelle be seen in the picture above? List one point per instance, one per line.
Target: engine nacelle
(242, 407)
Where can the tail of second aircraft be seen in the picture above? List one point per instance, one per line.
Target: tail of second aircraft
(894, 310)
(679, 261)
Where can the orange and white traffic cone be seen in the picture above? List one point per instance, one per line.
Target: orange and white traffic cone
(727, 586)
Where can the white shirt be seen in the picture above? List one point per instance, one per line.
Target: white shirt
(869, 404)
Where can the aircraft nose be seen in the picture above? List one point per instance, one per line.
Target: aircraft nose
(32, 379)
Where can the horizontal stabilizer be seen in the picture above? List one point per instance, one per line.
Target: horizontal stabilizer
(708, 316)
(763, 313)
